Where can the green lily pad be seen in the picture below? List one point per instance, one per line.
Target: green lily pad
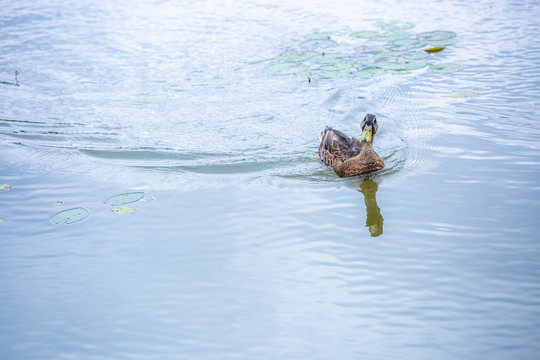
(70, 216)
(328, 58)
(336, 67)
(297, 56)
(148, 198)
(332, 74)
(4, 187)
(394, 25)
(401, 65)
(284, 68)
(415, 55)
(123, 210)
(444, 68)
(364, 34)
(317, 43)
(369, 72)
(436, 35)
(444, 42)
(319, 35)
(407, 44)
(370, 49)
(393, 36)
(466, 94)
(386, 56)
(126, 198)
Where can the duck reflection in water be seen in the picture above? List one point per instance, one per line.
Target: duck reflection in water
(374, 219)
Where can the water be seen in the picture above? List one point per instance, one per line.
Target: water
(251, 248)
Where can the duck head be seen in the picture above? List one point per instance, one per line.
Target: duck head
(369, 128)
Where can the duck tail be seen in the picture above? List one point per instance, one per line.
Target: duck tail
(323, 133)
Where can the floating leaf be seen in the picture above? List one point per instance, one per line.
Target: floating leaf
(445, 42)
(394, 25)
(70, 216)
(328, 58)
(385, 56)
(407, 44)
(123, 210)
(369, 72)
(434, 50)
(394, 36)
(364, 34)
(126, 198)
(297, 56)
(401, 64)
(444, 68)
(319, 35)
(332, 74)
(370, 49)
(415, 55)
(317, 43)
(148, 198)
(284, 68)
(336, 67)
(466, 94)
(4, 187)
(436, 35)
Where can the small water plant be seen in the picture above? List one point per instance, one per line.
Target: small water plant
(16, 83)
(391, 48)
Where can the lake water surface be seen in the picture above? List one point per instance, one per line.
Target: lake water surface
(246, 246)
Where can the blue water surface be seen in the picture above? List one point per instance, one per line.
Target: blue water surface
(245, 245)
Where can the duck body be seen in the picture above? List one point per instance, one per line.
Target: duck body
(347, 155)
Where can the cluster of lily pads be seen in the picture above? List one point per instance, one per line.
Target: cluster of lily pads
(365, 54)
(76, 214)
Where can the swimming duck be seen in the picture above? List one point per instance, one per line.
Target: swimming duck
(348, 155)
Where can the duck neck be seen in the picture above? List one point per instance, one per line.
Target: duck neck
(367, 147)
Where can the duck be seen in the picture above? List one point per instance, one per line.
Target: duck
(347, 155)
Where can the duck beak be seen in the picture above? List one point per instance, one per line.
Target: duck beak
(367, 133)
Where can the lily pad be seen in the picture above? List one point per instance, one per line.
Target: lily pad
(369, 72)
(393, 36)
(436, 35)
(70, 216)
(407, 44)
(394, 25)
(4, 187)
(445, 42)
(126, 198)
(332, 74)
(297, 56)
(444, 68)
(123, 210)
(317, 43)
(148, 198)
(284, 68)
(401, 64)
(386, 56)
(370, 49)
(415, 55)
(328, 58)
(319, 35)
(466, 94)
(336, 67)
(364, 34)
